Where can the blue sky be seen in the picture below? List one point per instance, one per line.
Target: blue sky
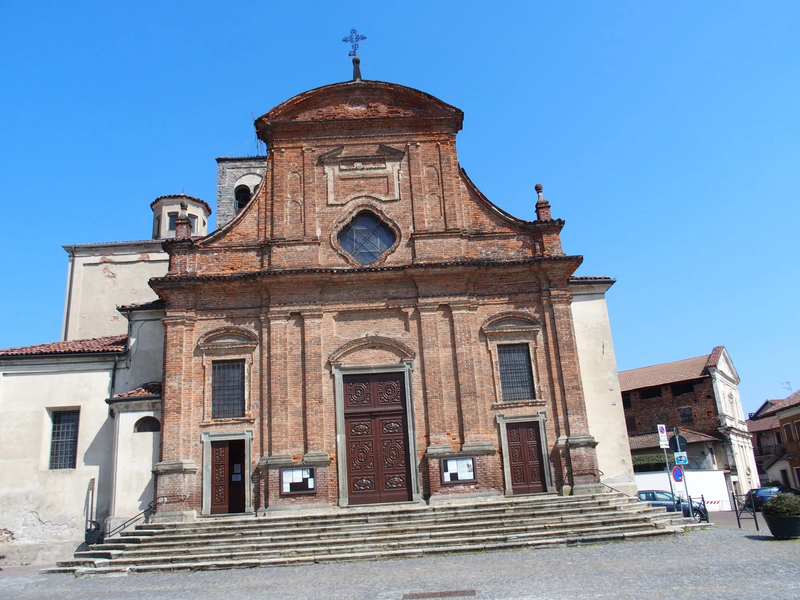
(666, 134)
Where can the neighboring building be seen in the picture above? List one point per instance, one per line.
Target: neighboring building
(363, 327)
(789, 418)
(700, 394)
(769, 441)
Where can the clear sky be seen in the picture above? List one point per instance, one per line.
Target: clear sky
(666, 134)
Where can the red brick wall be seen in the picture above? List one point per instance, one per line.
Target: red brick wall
(649, 412)
(265, 272)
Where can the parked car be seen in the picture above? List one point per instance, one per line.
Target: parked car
(671, 503)
(757, 496)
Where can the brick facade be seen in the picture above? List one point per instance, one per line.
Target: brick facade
(275, 288)
(643, 415)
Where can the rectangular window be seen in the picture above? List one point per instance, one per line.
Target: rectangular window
(626, 400)
(64, 440)
(778, 437)
(651, 392)
(797, 430)
(682, 388)
(171, 224)
(630, 424)
(193, 221)
(157, 228)
(687, 418)
(227, 389)
(516, 377)
(787, 429)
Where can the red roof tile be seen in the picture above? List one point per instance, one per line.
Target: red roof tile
(116, 343)
(764, 424)
(680, 370)
(146, 390)
(645, 441)
(788, 402)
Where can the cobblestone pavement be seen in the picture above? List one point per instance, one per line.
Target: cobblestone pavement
(725, 563)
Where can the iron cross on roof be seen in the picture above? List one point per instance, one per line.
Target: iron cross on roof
(353, 40)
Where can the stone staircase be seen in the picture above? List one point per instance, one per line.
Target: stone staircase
(374, 532)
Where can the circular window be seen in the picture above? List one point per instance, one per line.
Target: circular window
(366, 238)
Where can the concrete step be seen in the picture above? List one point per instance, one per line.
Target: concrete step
(372, 545)
(382, 555)
(378, 513)
(334, 524)
(372, 538)
(364, 533)
(272, 537)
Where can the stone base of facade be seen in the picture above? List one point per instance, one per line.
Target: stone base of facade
(583, 489)
(176, 516)
(464, 498)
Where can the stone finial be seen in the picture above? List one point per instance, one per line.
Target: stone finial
(356, 69)
(183, 226)
(542, 205)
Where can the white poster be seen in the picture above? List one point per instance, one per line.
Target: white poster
(287, 478)
(464, 469)
(287, 487)
(311, 483)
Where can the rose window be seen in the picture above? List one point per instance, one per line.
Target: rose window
(366, 238)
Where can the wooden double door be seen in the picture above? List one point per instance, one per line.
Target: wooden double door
(227, 477)
(525, 458)
(378, 467)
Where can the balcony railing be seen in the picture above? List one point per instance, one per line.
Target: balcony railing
(776, 449)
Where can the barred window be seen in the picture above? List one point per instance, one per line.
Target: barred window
(64, 440)
(227, 389)
(516, 377)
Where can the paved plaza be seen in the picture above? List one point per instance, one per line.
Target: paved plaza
(725, 563)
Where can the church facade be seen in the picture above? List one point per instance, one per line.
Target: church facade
(364, 326)
(369, 327)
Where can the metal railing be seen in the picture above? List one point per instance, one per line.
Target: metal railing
(744, 504)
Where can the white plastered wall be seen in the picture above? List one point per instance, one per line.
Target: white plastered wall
(102, 277)
(45, 508)
(601, 384)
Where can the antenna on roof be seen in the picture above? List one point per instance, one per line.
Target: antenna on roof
(353, 39)
(787, 385)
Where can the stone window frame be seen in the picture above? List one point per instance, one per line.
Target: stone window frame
(406, 367)
(55, 458)
(522, 328)
(370, 205)
(206, 439)
(541, 419)
(230, 343)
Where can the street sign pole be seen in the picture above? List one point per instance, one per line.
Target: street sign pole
(680, 447)
(688, 498)
(669, 476)
(663, 442)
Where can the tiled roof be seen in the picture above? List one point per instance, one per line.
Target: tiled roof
(146, 390)
(646, 441)
(680, 370)
(116, 343)
(188, 197)
(764, 424)
(776, 405)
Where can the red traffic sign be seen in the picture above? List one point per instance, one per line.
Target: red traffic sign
(677, 474)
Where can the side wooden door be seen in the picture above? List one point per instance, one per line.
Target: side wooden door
(378, 468)
(525, 458)
(220, 465)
